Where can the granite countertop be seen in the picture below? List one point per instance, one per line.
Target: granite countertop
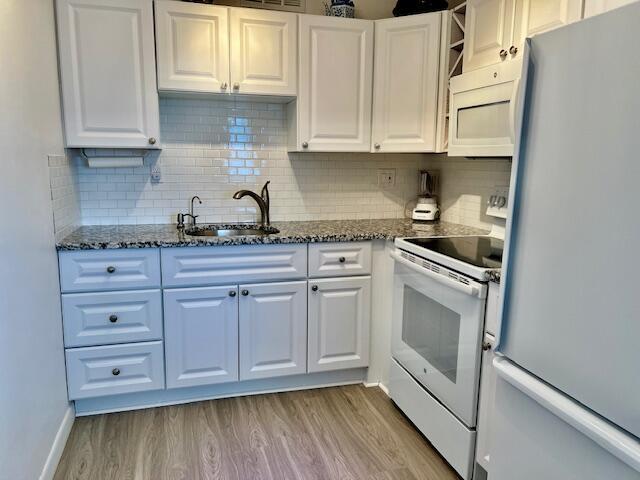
(494, 275)
(152, 236)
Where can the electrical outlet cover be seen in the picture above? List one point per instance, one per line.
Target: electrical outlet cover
(387, 177)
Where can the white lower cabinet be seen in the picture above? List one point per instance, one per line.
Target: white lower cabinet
(273, 330)
(201, 336)
(339, 317)
(485, 406)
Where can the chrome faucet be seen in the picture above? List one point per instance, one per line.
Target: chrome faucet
(262, 200)
(191, 215)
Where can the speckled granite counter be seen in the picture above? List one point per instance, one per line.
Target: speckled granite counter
(151, 236)
(494, 275)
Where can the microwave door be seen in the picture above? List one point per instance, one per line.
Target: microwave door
(437, 331)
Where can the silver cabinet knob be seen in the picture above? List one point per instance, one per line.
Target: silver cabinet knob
(314, 288)
(236, 86)
(115, 372)
(111, 269)
(503, 54)
(224, 86)
(152, 141)
(305, 144)
(513, 50)
(342, 259)
(232, 293)
(245, 293)
(377, 146)
(113, 318)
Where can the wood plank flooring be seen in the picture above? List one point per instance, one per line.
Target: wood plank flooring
(345, 433)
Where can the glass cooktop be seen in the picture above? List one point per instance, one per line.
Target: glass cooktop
(479, 251)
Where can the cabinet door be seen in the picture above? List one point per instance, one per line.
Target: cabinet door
(595, 7)
(336, 74)
(339, 318)
(192, 42)
(405, 105)
(536, 16)
(485, 406)
(488, 30)
(201, 336)
(264, 50)
(273, 330)
(108, 73)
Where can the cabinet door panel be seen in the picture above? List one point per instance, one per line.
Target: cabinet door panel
(108, 73)
(339, 317)
(595, 7)
(193, 47)
(537, 16)
(406, 83)
(264, 52)
(273, 330)
(336, 70)
(201, 336)
(488, 29)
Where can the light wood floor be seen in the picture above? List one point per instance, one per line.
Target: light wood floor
(348, 432)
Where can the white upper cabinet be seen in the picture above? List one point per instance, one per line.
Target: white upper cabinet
(495, 30)
(339, 318)
(192, 46)
(594, 7)
(108, 73)
(405, 100)
(336, 83)
(273, 330)
(535, 16)
(264, 48)
(488, 31)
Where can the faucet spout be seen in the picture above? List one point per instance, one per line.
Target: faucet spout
(262, 201)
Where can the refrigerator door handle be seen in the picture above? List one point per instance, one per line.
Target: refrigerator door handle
(623, 446)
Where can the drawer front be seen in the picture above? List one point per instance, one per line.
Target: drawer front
(111, 317)
(235, 264)
(339, 259)
(94, 270)
(114, 369)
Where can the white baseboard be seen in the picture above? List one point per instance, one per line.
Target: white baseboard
(380, 385)
(59, 443)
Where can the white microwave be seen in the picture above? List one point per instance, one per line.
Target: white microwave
(483, 110)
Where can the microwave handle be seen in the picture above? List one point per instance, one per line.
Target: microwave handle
(472, 290)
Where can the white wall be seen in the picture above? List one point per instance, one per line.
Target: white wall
(33, 398)
(369, 9)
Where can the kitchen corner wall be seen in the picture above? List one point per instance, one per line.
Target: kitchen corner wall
(65, 197)
(213, 147)
(466, 185)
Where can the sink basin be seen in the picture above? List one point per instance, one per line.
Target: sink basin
(230, 231)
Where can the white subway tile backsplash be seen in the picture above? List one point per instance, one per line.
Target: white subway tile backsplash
(214, 147)
(64, 195)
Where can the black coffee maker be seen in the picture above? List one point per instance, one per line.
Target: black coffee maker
(411, 7)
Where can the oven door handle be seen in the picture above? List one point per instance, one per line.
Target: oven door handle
(472, 290)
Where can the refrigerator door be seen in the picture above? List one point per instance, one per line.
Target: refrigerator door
(539, 433)
(571, 312)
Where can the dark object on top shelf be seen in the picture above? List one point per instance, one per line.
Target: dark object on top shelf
(412, 7)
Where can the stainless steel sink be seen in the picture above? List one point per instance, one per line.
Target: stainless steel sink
(230, 231)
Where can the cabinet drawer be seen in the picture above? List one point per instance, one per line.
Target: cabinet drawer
(111, 317)
(235, 264)
(114, 369)
(339, 259)
(87, 270)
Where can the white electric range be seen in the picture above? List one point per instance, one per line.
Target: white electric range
(439, 301)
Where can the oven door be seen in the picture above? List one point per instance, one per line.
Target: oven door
(483, 111)
(438, 319)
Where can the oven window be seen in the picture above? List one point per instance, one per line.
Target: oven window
(484, 121)
(432, 330)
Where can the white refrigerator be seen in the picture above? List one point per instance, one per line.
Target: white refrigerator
(568, 390)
